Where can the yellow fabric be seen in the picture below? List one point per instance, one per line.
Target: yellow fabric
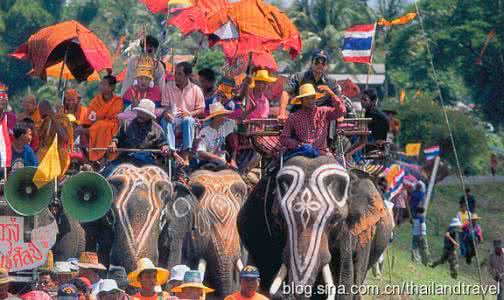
(391, 174)
(407, 18)
(50, 166)
(55, 71)
(47, 133)
(180, 2)
(413, 149)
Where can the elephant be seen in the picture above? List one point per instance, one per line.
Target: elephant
(140, 222)
(216, 242)
(314, 223)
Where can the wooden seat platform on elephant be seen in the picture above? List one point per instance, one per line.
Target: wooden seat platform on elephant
(354, 126)
(263, 135)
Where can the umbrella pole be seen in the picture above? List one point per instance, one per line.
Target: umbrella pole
(195, 61)
(60, 82)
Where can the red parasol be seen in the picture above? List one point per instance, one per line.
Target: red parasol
(83, 51)
(161, 6)
(241, 27)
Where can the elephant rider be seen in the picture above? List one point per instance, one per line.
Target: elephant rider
(212, 137)
(146, 277)
(193, 287)
(317, 76)
(141, 133)
(496, 266)
(89, 267)
(249, 283)
(305, 132)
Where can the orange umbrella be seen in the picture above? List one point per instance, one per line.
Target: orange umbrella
(161, 6)
(84, 52)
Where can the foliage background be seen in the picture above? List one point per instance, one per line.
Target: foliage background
(455, 29)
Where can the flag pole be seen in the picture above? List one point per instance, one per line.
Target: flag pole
(372, 56)
(60, 82)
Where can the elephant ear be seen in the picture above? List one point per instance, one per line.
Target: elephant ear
(366, 206)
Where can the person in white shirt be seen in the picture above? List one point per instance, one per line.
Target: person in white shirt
(212, 137)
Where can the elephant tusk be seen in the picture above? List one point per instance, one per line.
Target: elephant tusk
(202, 267)
(239, 264)
(282, 273)
(328, 278)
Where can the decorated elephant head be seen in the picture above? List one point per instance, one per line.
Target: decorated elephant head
(220, 196)
(145, 203)
(311, 198)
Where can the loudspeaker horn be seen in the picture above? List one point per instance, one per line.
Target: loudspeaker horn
(86, 196)
(22, 194)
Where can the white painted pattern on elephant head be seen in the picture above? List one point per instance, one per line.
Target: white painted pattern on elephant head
(134, 178)
(218, 208)
(308, 203)
(181, 207)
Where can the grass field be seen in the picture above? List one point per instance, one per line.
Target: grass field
(398, 266)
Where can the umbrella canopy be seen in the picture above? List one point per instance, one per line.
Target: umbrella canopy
(242, 27)
(85, 52)
(161, 6)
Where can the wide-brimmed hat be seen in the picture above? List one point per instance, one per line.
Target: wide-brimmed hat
(475, 217)
(217, 109)
(455, 222)
(263, 75)
(89, 260)
(250, 272)
(178, 272)
(108, 285)
(306, 90)
(147, 106)
(4, 276)
(192, 279)
(146, 264)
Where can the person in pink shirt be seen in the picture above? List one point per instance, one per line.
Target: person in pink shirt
(257, 104)
(183, 102)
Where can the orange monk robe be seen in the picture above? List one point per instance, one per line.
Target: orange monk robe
(106, 125)
(48, 131)
(82, 119)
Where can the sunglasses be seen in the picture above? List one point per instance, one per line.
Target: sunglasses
(320, 61)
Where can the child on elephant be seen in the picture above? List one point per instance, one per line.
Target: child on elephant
(449, 249)
(419, 246)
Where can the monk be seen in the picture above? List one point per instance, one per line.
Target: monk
(104, 109)
(72, 105)
(54, 123)
(30, 110)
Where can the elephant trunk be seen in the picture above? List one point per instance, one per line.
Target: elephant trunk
(224, 275)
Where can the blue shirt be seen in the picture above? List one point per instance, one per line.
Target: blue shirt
(419, 226)
(27, 157)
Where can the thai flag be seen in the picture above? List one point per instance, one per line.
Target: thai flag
(358, 43)
(397, 184)
(5, 144)
(432, 152)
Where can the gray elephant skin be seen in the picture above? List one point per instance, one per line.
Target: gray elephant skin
(313, 224)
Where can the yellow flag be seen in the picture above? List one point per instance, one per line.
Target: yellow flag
(407, 18)
(413, 149)
(49, 167)
(391, 174)
(402, 97)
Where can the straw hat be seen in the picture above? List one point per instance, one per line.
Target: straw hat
(4, 276)
(146, 264)
(306, 90)
(89, 260)
(147, 106)
(192, 279)
(263, 75)
(217, 109)
(475, 217)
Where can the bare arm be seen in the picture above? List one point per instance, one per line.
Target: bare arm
(454, 242)
(284, 101)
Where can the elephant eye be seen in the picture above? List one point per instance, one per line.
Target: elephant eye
(284, 187)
